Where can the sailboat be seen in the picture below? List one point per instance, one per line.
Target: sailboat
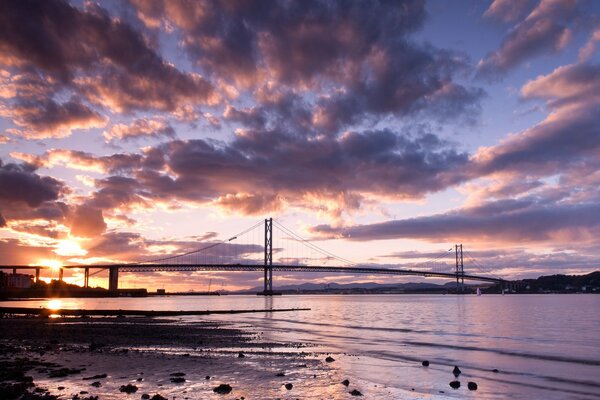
(478, 292)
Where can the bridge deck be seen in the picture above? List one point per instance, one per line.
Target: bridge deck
(258, 267)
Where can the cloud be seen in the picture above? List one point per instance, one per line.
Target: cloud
(587, 51)
(139, 128)
(505, 221)
(85, 221)
(507, 10)
(14, 251)
(20, 183)
(343, 60)
(42, 119)
(545, 30)
(93, 55)
(81, 160)
(569, 136)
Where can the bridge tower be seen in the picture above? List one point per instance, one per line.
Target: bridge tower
(460, 270)
(113, 279)
(268, 281)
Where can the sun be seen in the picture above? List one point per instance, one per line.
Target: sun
(54, 265)
(69, 247)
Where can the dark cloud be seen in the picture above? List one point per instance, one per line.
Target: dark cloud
(358, 55)
(45, 118)
(96, 56)
(20, 183)
(501, 221)
(294, 42)
(262, 170)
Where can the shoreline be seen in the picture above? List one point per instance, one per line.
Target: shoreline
(157, 357)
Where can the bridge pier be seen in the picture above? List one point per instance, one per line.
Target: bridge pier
(61, 273)
(86, 277)
(113, 279)
(37, 275)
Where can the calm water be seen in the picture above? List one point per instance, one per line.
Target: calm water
(544, 346)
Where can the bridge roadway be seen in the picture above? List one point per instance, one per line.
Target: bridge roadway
(260, 267)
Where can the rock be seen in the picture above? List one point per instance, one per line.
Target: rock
(425, 363)
(495, 370)
(139, 379)
(129, 388)
(223, 389)
(355, 392)
(89, 378)
(207, 377)
(62, 372)
(83, 392)
(145, 396)
(330, 359)
(96, 384)
(456, 371)
(13, 391)
(178, 380)
(158, 397)
(178, 374)
(241, 355)
(472, 386)
(61, 388)
(455, 384)
(346, 382)
(96, 346)
(289, 386)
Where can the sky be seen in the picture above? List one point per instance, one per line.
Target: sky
(383, 132)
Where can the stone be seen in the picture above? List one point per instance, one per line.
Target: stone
(129, 388)
(355, 392)
(280, 374)
(289, 386)
(456, 371)
(178, 380)
(495, 370)
(346, 382)
(178, 374)
(425, 363)
(145, 396)
(158, 397)
(330, 359)
(241, 355)
(207, 377)
(455, 384)
(472, 386)
(96, 384)
(223, 389)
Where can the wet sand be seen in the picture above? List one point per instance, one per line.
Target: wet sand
(89, 358)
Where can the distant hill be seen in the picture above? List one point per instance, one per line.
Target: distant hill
(552, 283)
(371, 287)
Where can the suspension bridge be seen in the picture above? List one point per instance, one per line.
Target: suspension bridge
(270, 247)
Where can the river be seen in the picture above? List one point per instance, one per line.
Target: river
(542, 346)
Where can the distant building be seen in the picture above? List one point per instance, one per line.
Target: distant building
(20, 281)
